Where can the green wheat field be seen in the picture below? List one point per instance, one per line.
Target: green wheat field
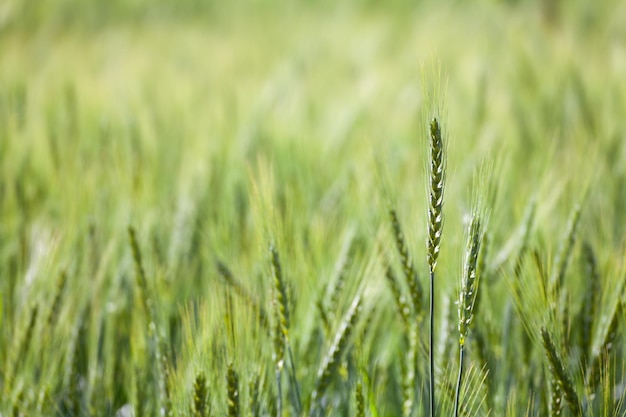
(291, 208)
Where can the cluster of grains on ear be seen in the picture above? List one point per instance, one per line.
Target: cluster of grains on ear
(415, 289)
(469, 288)
(360, 401)
(560, 375)
(232, 386)
(280, 293)
(435, 208)
(200, 405)
(140, 274)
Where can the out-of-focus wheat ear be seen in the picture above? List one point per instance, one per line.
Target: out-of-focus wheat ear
(565, 253)
(75, 366)
(593, 371)
(243, 293)
(167, 409)
(435, 227)
(467, 295)
(332, 359)
(281, 307)
(19, 351)
(254, 390)
(278, 355)
(200, 406)
(409, 371)
(140, 274)
(588, 311)
(281, 311)
(232, 386)
(53, 314)
(359, 401)
(415, 289)
(403, 307)
(560, 374)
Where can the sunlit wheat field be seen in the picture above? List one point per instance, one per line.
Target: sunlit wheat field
(284, 208)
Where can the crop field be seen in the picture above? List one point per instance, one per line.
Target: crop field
(289, 208)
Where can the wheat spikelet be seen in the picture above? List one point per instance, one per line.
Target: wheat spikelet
(415, 289)
(232, 385)
(333, 356)
(140, 274)
(560, 374)
(281, 307)
(360, 401)
(200, 406)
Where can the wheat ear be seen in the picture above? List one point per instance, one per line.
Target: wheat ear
(560, 374)
(281, 309)
(467, 296)
(232, 387)
(415, 289)
(360, 401)
(435, 226)
(200, 406)
(332, 358)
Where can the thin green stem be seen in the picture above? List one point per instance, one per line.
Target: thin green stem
(431, 348)
(458, 382)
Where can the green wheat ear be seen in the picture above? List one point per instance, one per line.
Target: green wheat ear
(415, 289)
(560, 374)
(200, 406)
(435, 208)
(232, 386)
(332, 358)
(467, 296)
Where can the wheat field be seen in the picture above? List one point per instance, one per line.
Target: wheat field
(288, 208)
